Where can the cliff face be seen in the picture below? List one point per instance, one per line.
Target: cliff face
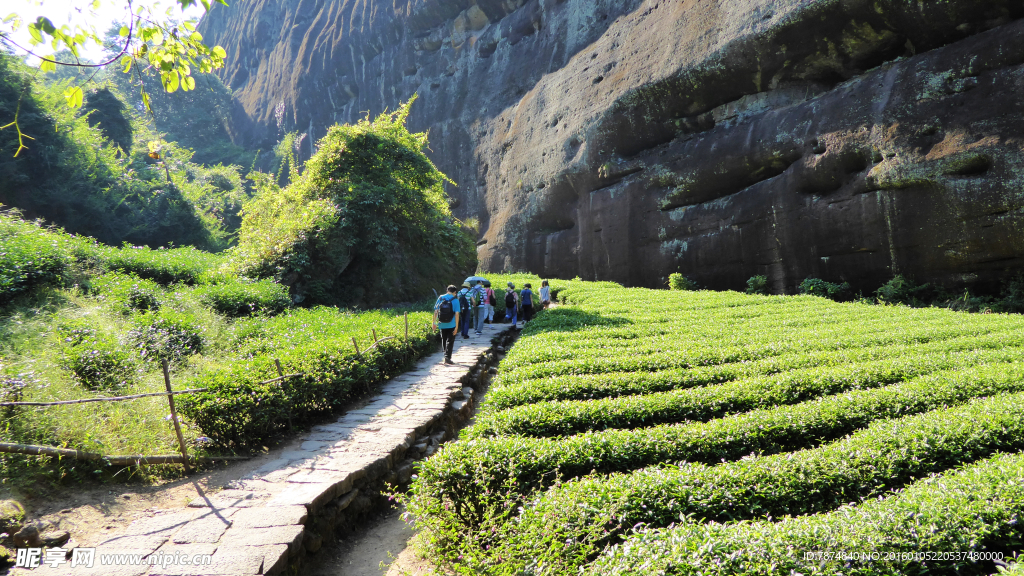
(627, 139)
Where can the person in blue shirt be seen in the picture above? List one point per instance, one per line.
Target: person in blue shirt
(446, 317)
(526, 297)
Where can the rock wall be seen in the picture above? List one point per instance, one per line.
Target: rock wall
(627, 139)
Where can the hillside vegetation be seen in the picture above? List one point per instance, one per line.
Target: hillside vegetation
(367, 222)
(79, 319)
(93, 171)
(633, 431)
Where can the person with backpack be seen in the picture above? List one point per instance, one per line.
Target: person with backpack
(446, 316)
(511, 304)
(479, 301)
(545, 294)
(491, 301)
(466, 316)
(527, 299)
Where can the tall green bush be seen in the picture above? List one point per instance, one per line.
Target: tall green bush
(367, 221)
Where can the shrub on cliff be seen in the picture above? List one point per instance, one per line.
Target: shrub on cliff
(367, 222)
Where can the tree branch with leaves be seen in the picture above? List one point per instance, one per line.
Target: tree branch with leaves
(149, 42)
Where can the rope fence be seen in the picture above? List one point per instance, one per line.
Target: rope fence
(183, 458)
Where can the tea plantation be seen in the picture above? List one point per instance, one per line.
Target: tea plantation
(634, 431)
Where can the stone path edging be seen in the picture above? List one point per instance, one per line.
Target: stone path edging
(266, 522)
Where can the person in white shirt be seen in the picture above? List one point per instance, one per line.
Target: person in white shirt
(545, 294)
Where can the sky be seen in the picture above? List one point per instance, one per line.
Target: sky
(80, 12)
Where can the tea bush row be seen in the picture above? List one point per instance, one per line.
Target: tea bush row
(705, 403)
(975, 509)
(465, 478)
(238, 410)
(507, 392)
(568, 525)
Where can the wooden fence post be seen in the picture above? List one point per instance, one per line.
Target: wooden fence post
(374, 330)
(356, 344)
(407, 328)
(174, 417)
(280, 372)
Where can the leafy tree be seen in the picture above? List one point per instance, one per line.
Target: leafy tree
(148, 41)
(366, 222)
(106, 112)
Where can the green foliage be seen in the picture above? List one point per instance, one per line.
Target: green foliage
(758, 285)
(367, 222)
(70, 174)
(128, 293)
(900, 290)
(972, 510)
(106, 112)
(676, 281)
(817, 287)
(98, 361)
(616, 380)
(196, 119)
(571, 523)
(240, 411)
(239, 297)
(166, 335)
(165, 266)
(29, 257)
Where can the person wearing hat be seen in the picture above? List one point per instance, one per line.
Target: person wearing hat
(466, 316)
(511, 304)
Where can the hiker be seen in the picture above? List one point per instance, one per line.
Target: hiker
(491, 301)
(446, 316)
(511, 303)
(479, 307)
(465, 317)
(545, 294)
(527, 300)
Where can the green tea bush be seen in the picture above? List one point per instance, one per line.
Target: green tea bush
(758, 285)
(96, 360)
(706, 403)
(239, 297)
(976, 509)
(165, 266)
(240, 412)
(726, 401)
(166, 335)
(570, 524)
(677, 281)
(508, 392)
(128, 293)
(817, 287)
(30, 256)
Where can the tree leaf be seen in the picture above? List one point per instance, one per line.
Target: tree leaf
(157, 37)
(74, 96)
(124, 32)
(47, 66)
(188, 83)
(33, 31)
(219, 52)
(170, 81)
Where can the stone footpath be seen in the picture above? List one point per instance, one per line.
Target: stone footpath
(267, 522)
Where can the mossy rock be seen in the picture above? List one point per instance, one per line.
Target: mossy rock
(11, 515)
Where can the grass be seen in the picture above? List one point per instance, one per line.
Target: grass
(638, 431)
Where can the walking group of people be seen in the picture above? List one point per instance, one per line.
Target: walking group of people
(473, 305)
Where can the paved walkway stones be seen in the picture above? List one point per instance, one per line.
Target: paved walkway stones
(276, 514)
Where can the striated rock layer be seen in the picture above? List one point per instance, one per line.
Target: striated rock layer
(626, 139)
